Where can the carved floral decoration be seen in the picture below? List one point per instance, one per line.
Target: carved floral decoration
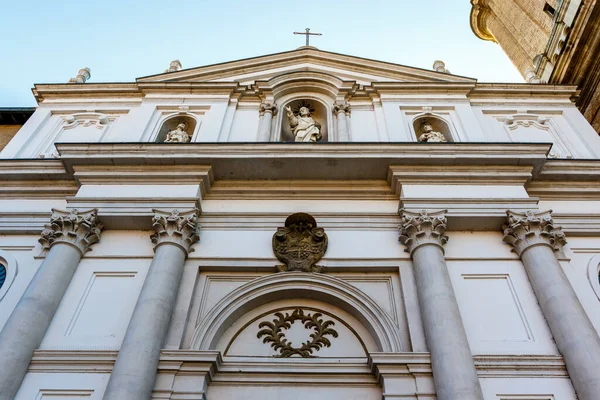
(524, 230)
(422, 228)
(273, 333)
(300, 244)
(80, 229)
(175, 227)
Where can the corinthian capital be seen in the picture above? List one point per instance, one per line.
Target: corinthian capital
(79, 229)
(341, 107)
(422, 228)
(179, 229)
(267, 108)
(527, 229)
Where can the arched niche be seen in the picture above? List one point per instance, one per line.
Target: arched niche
(438, 124)
(171, 123)
(318, 111)
(297, 286)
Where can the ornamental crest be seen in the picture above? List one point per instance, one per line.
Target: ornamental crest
(300, 244)
(273, 333)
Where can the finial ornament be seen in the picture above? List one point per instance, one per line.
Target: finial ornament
(174, 66)
(300, 244)
(177, 228)
(528, 229)
(422, 228)
(82, 76)
(80, 229)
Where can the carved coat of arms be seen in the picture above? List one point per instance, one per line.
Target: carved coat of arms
(300, 244)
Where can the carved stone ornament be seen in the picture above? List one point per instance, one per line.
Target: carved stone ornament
(300, 244)
(341, 107)
(273, 333)
(79, 229)
(527, 229)
(267, 108)
(422, 228)
(176, 228)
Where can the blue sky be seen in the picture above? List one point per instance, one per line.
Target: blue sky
(120, 40)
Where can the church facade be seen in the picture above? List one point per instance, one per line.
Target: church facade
(301, 225)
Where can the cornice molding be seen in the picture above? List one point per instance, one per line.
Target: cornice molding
(343, 161)
(480, 12)
(200, 362)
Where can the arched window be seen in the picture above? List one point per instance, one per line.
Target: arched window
(8, 271)
(2, 275)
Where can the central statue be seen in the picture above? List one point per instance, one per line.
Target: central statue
(305, 128)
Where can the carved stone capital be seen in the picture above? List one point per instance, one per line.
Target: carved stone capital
(176, 228)
(528, 229)
(300, 244)
(267, 108)
(422, 228)
(80, 229)
(341, 107)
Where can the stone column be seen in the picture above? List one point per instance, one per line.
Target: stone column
(266, 112)
(135, 370)
(342, 111)
(67, 238)
(454, 372)
(535, 239)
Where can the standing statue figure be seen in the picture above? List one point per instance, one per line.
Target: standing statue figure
(305, 128)
(178, 135)
(431, 136)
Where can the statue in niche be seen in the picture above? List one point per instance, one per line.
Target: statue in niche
(428, 135)
(305, 128)
(179, 134)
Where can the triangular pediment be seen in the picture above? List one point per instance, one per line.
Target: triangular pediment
(306, 59)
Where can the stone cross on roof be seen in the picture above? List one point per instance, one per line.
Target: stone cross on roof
(308, 35)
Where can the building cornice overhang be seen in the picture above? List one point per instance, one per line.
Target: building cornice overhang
(137, 91)
(523, 90)
(303, 55)
(480, 11)
(343, 161)
(78, 91)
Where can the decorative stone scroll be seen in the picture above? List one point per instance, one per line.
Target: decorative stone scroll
(300, 244)
(177, 228)
(79, 229)
(527, 229)
(273, 333)
(422, 228)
